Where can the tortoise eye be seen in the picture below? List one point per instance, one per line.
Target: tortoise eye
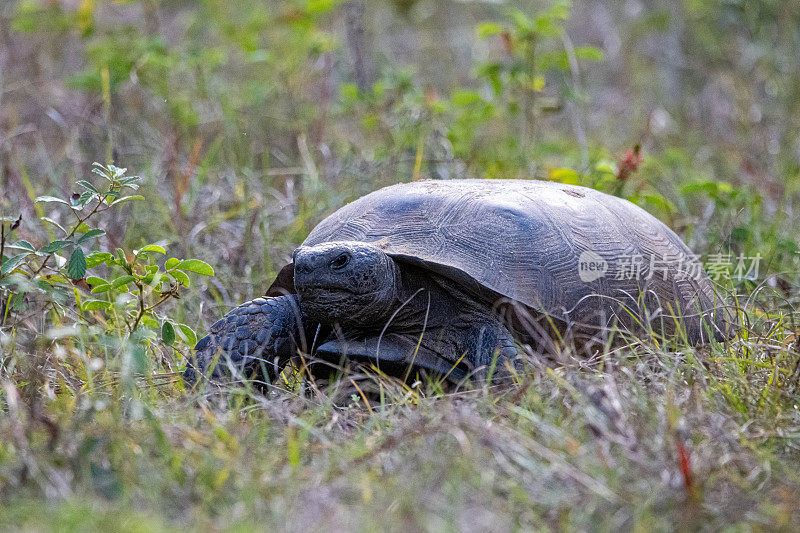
(340, 261)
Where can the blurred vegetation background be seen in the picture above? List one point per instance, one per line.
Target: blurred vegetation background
(234, 112)
(250, 120)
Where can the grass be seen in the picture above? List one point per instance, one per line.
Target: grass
(637, 439)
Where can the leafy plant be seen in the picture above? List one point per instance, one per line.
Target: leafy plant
(127, 290)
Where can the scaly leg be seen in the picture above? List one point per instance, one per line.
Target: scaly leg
(265, 331)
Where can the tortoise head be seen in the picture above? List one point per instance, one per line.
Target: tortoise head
(352, 283)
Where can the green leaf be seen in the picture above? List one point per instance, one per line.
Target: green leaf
(152, 248)
(179, 276)
(188, 334)
(149, 321)
(101, 288)
(171, 263)
(101, 172)
(564, 175)
(521, 21)
(53, 222)
(54, 279)
(709, 188)
(82, 200)
(117, 172)
(168, 333)
(126, 199)
(127, 182)
(196, 266)
(50, 199)
(92, 233)
(660, 202)
(558, 60)
(54, 246)
(464, 97)
(560, 10)
(92, 260)
(606, 166)
(488, 29)
(85, 184)
(94, 280)
(153, 278)
(23, 245)
(76, 268)
(122, 280)
(10, 264)
(94, 305)
(590, 53)
(547, 26)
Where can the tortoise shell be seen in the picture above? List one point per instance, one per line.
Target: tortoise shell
(572, 253)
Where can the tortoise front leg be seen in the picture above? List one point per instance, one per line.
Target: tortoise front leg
(265, 332)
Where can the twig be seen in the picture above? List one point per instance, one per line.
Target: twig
(143, 309)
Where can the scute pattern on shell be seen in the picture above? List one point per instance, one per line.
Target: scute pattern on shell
(522, 239)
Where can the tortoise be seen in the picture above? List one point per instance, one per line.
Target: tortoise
(447, 275)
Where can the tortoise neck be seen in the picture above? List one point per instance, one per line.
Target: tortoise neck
(422, 293)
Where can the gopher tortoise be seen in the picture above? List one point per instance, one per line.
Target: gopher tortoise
(445, 275)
